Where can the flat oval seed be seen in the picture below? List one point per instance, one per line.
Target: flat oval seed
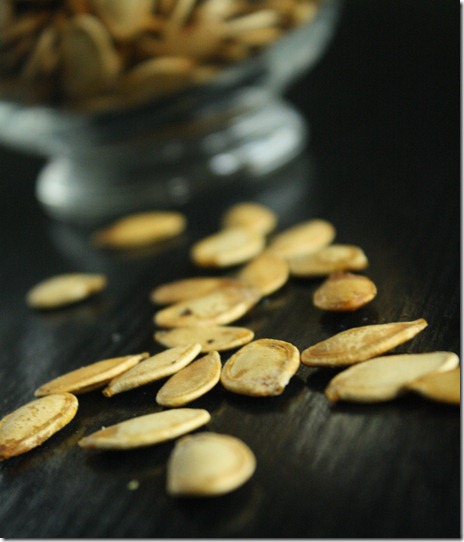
(303, 238)
(444, 387)
(386, 377)
(267, 272)
(360, 343)
(192, 382)
(66, 289)
(208, 464)
(227, 248)
(154, 368)
(147, 430)
(344, 292)
(328, 260)
(124, 19)
(184, 289)
(217, 308)
(90, 377)
(33, 423)
(141, 229)
(210, 338)
(261, 368)
(251, 216)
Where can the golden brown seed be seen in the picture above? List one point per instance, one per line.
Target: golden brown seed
(303, 238)
(360, 343)
(153, 368)
(328, 260)
(208, 464)
(124, 19)
(227, 247)
(267, 272)
(261, 368)
(191, 382)
(141, 229)
(444, 387)
(217, 308)
(90, 377)
(344, 292)
(184, 289)
(33, 423)
(210, 338)
(250, 215)
(386, 377)
(66, 289)
(147, 430)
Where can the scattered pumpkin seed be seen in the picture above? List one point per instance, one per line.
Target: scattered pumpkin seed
(147, 430)
(386, 377)
(250, 215)
(210, 338)
(208, 464)
(227, 247)
(267, 272)
(191, 382)
(216, 308)
(360, 343)
(328, 260)
(141, 229)
(444, 387)
(153, 368)
(124, 19)
(344, 292)
(261, 368)
(33, 423)
(90, 377)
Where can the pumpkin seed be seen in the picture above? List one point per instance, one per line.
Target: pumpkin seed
(261, 368)
(140, 229)
(360, 343)
(303, 238)
(124, 19)
(90, 377)
(444, 387)
(208, 464)
(147, 430)
(328, 260)
(66, 289)
(267, 272)
(344, 292)
(386, 377)
(251, 216)
(33, 423)
(192, 382)
(216, 308)
(153, 368)
(210, 338)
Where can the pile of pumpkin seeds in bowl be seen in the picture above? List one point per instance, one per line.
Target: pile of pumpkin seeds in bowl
(194, 326)
(107, 54)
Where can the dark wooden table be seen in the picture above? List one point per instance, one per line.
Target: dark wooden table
(383, 166)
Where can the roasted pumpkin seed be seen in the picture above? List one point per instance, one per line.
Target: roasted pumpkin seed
(210, 338)
(328, 260)
(251, 216)
(267, 272)
(444, 387)
(344, 292)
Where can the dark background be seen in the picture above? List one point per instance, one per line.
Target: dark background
(383, 165)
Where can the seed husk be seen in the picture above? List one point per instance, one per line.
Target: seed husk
(140, 230)
(90, 377)
(189, 288)
(344, 292)
(328, 260)
(124, 19)
(153, 368)
(147, 430)
(303, 238)
(267, 272)
(386, 377)
(219, 307)
(360, 343)
(210, 338)
(228, 247)
(33, 423)
(66, 289)
(250, 215)
(191, 382)
(444, 387)
(261, 368)
(208, 464)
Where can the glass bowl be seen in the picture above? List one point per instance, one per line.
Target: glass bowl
(164, 153)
